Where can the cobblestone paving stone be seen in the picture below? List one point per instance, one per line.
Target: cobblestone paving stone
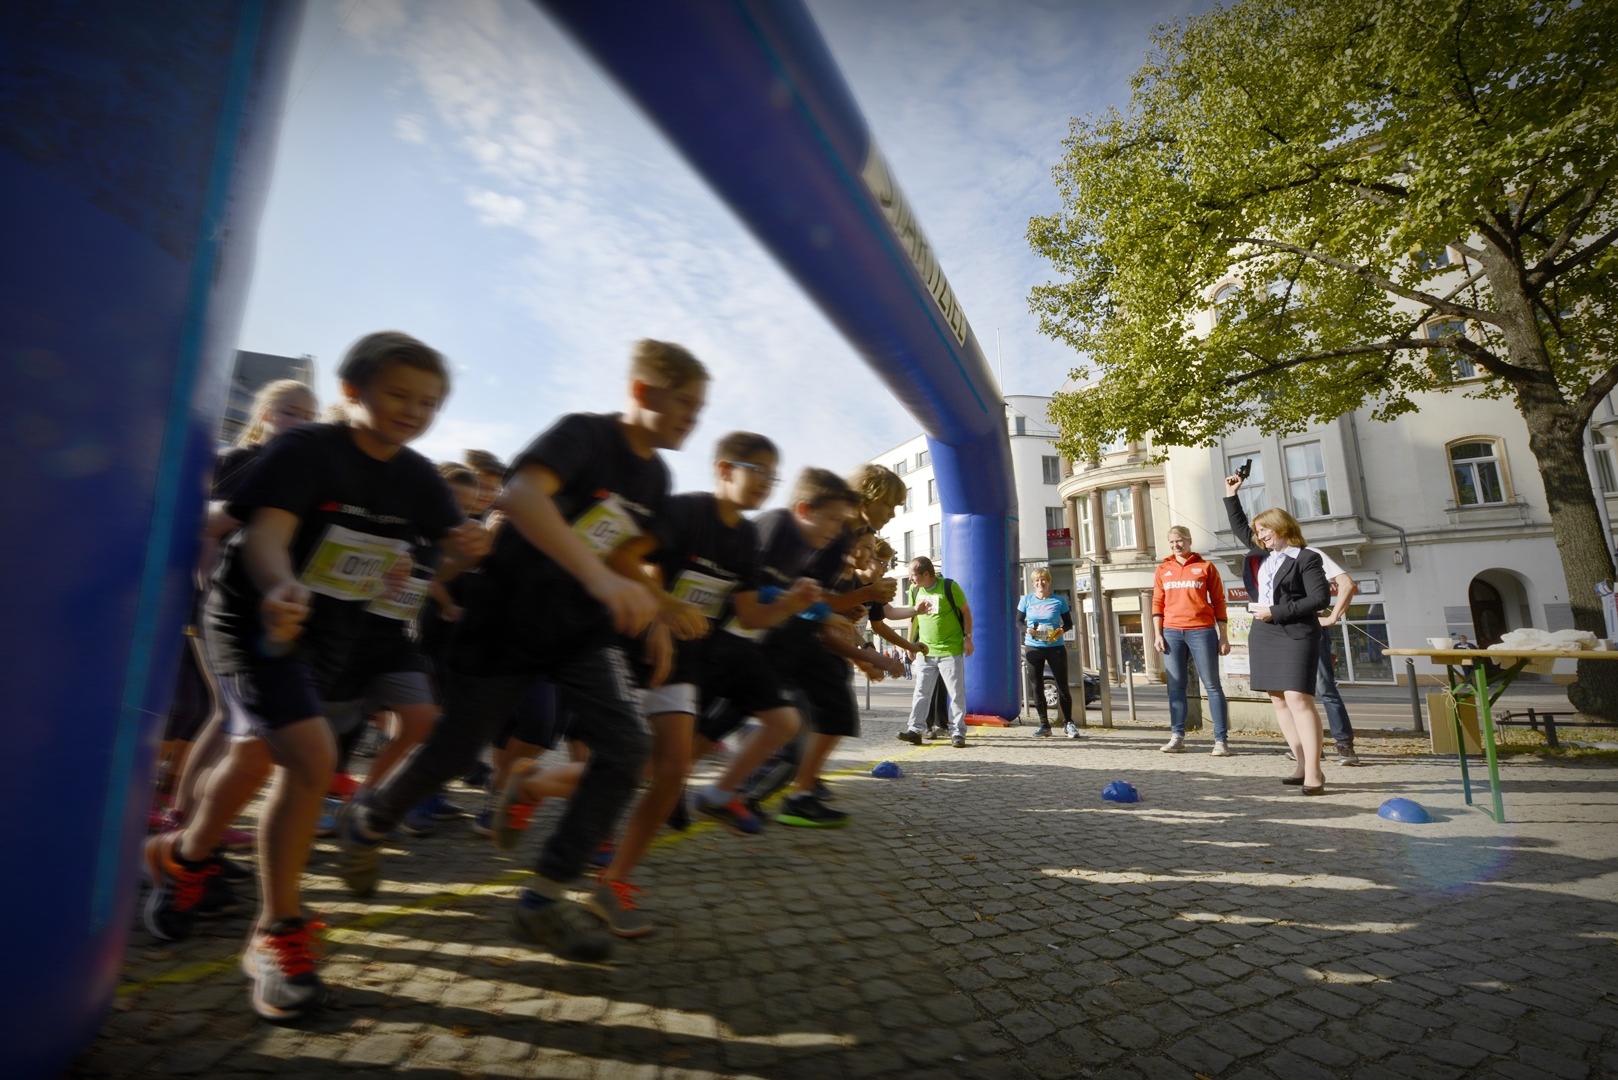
(987, 915)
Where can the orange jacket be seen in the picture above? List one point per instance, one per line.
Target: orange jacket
(1189, 596)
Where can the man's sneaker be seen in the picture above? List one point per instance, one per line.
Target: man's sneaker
(232, 871)
(478, 776)
(911, 737)
(1220, 749)
(958, 741)
(218, 898)
(733, 815)
(238, 840)
(483, 822)
(343, 786)
(419, 822)
(441, 809)
(359, 858)
(281, 963)
(511, 811)
(757, 807)
(1043, 731)
(935, 733)
(327, 825)
(177, 890)
(602, 856)
(1072, 730)
(822, 791)
(1346, 754)
(680, 816)
(1175, 745)
(562, 927)
(613, 903)
(808, 812)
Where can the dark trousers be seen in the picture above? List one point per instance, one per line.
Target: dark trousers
(602, 691)
(1326, 691)
(1035, 660)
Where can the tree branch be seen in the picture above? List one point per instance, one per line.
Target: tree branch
(1366, 274)
(1547, 267)
(1593, 394)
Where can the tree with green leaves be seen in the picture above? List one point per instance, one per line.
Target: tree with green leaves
(1327, 155)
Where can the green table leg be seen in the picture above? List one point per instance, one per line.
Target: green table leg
(1486, 723)
(1460, 734)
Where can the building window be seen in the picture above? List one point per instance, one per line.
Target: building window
(1117, 446)
(1086, 539)
(910, 546)
(932, 492)
(1306, 481)
(1051, 467)
(924, 458)
(1055, 518)
(935, 541)
(1019, 424)
(1432, 259)
(901, 466)
(1449, 364)
(1475, 467)
(1223, 299)
(1118, 508)
(1606, 472)
(1252, 492)
(910, 498)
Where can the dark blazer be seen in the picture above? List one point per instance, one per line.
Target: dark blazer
(1301, 588)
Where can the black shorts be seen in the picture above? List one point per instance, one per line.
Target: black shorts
(269, 694)
(825, 680)
(539, 719)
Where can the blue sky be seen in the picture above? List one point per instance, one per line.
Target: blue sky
(460, 171)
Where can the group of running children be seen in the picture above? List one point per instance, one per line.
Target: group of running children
(353, 579)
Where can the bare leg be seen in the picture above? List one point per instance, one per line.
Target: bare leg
(209, 749)
(305, 757)
(1306, 722)
(1283, 719)
(231, 786)
(776, 729)
(412, 725)
(508, 755)
(815, 753)
(670, 765)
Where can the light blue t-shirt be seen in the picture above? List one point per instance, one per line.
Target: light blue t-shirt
(1044, 617)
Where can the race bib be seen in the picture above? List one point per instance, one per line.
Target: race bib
(733, 626)
(703, 591)
(606, 526)
(349, 565)
(404, 605)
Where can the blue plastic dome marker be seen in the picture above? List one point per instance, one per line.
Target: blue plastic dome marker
(1411, 813)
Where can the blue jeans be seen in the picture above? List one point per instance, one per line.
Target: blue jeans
(1202, 646)
(1342, 732)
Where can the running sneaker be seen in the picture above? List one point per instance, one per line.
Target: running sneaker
(822, 791)
(613, 902)
(1175, 745)
(238, 840)
(1043, 731)
(733, 815)
(327, 825)
(1072, 730)
(281, 963)
(959, 742)
(911, 737)
(511, 811)
(230, 870)
(359, 858)
(343, 786)
(1221, 749)
(561, 927)
(602, 856)
(177, 890)
(1346, 754)
(478, 776)
(680, 816)
(757, 807)
(218, 898)
(483, 822)
(808, 812)
(419, 822)
(441, 809)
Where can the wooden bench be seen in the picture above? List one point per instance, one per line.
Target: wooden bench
(1533, 719)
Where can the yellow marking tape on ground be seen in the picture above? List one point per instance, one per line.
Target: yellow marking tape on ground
(348, 930)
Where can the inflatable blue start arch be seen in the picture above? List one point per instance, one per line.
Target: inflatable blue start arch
(135, 148)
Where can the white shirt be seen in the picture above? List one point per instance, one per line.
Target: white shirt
(1269, 568)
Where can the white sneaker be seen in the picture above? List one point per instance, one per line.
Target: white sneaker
(1175, 745)
(1072, 730)
(1221, 750)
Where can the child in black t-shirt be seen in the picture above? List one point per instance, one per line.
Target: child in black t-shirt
(293, 633)
(707, 555)
(562, 588)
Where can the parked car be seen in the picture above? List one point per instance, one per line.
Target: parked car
(1092, 690)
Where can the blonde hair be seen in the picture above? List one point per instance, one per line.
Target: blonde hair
(1282, 524)
(665, 365)
(270, 396)
(1040, 573)
(1180, 530)
(878, 484)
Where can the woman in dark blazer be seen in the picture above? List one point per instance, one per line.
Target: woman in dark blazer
(1287, 585)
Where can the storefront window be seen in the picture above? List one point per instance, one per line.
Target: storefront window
(1362, 645)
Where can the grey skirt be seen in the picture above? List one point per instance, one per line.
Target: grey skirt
(1281, 661)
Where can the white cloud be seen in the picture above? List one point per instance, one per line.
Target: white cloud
(410, 128)
(496, 209)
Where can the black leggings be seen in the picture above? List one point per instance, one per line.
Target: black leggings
(1056, 657)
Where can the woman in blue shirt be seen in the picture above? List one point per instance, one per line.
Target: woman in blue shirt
(1043, 618)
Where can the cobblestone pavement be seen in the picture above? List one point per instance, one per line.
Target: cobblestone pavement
(987, 915)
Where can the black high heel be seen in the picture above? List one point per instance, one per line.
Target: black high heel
(1321, 790)
(1293, 781)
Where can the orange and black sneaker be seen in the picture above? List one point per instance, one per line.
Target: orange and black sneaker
(512, 810)
(281, 963)
(613, 902)
(178, 889)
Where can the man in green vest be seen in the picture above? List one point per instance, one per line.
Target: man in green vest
(944, 641)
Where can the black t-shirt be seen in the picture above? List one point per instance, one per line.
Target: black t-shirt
(705, 561)
(526, 607)
(783, 553)
(356, 517)
(232, 467)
